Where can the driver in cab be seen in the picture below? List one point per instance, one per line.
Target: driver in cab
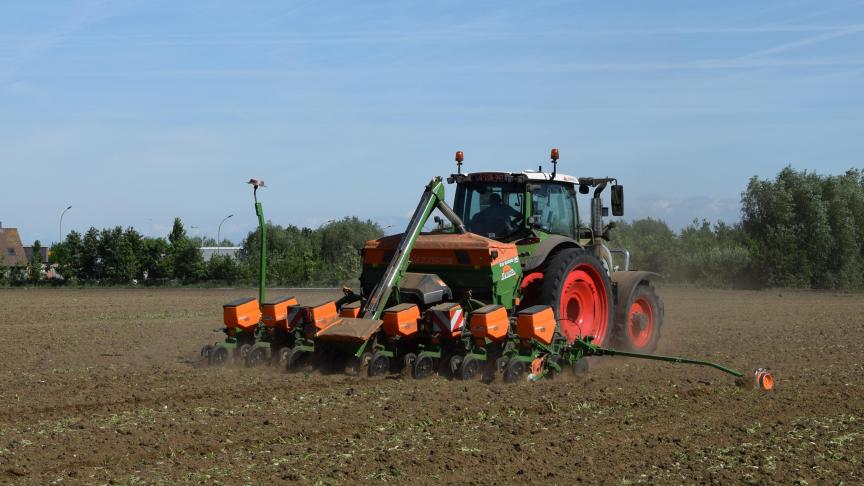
(496, 220)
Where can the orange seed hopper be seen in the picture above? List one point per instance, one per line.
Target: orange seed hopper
(350, 310)
(401, 320)
(275, 312)
(490, 322)
(536, 322)
(243, 313)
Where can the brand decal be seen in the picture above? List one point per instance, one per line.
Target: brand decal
(507, 272)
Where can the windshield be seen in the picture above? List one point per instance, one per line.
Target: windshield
(493, 210)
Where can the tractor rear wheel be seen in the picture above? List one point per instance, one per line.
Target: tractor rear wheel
(578, 289)
(638, 321)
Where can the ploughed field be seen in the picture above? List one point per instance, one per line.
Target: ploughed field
(103, 386)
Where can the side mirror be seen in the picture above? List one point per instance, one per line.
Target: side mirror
(617, 200)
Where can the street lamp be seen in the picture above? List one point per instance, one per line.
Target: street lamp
(61, 223)
(219, 231)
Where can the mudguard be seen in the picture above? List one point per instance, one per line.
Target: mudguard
(625, 284)
(550, 245)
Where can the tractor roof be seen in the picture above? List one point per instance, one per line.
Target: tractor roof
(546, 176)
(527, 175)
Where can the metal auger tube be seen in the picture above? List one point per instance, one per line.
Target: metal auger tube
(374, 306)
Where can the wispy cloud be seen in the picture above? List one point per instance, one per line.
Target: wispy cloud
(429, 69)
(418, 36)
(807, 41)
(27, 48)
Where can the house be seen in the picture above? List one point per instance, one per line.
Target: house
(28, 250)
(13, 254)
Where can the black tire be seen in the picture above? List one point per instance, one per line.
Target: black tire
(581, 367)
(256, 357)
(408, 365)
(219, 356)
(454, 365)
(514, 371)
(353, 365)
(639, 330)
(424, 366)
(469, 368)
(206, 350)
(551, 362)
(379, 365)
(555, 274)
(282, 357)
(244, 351)
(296, 360)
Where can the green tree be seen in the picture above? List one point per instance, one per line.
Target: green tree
(67, 256)
(225, 269)
(652, 245)
(35, 267)
(803, 230)
(187, 262)
(156, 262)
(90, 264)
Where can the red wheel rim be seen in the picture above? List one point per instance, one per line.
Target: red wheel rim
(640, 322)
(584, 307)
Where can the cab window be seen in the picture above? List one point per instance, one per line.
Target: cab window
(554, 208)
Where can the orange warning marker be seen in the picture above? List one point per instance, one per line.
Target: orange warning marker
(763, 379)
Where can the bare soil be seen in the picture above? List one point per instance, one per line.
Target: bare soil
(103, 386)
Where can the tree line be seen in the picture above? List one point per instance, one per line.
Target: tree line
(329, 255)
(799, 229)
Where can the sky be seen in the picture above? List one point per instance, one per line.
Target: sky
(134, 112)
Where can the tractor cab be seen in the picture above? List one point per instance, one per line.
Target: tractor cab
(512, 206)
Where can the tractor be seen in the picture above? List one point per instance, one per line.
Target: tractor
(511, 282)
